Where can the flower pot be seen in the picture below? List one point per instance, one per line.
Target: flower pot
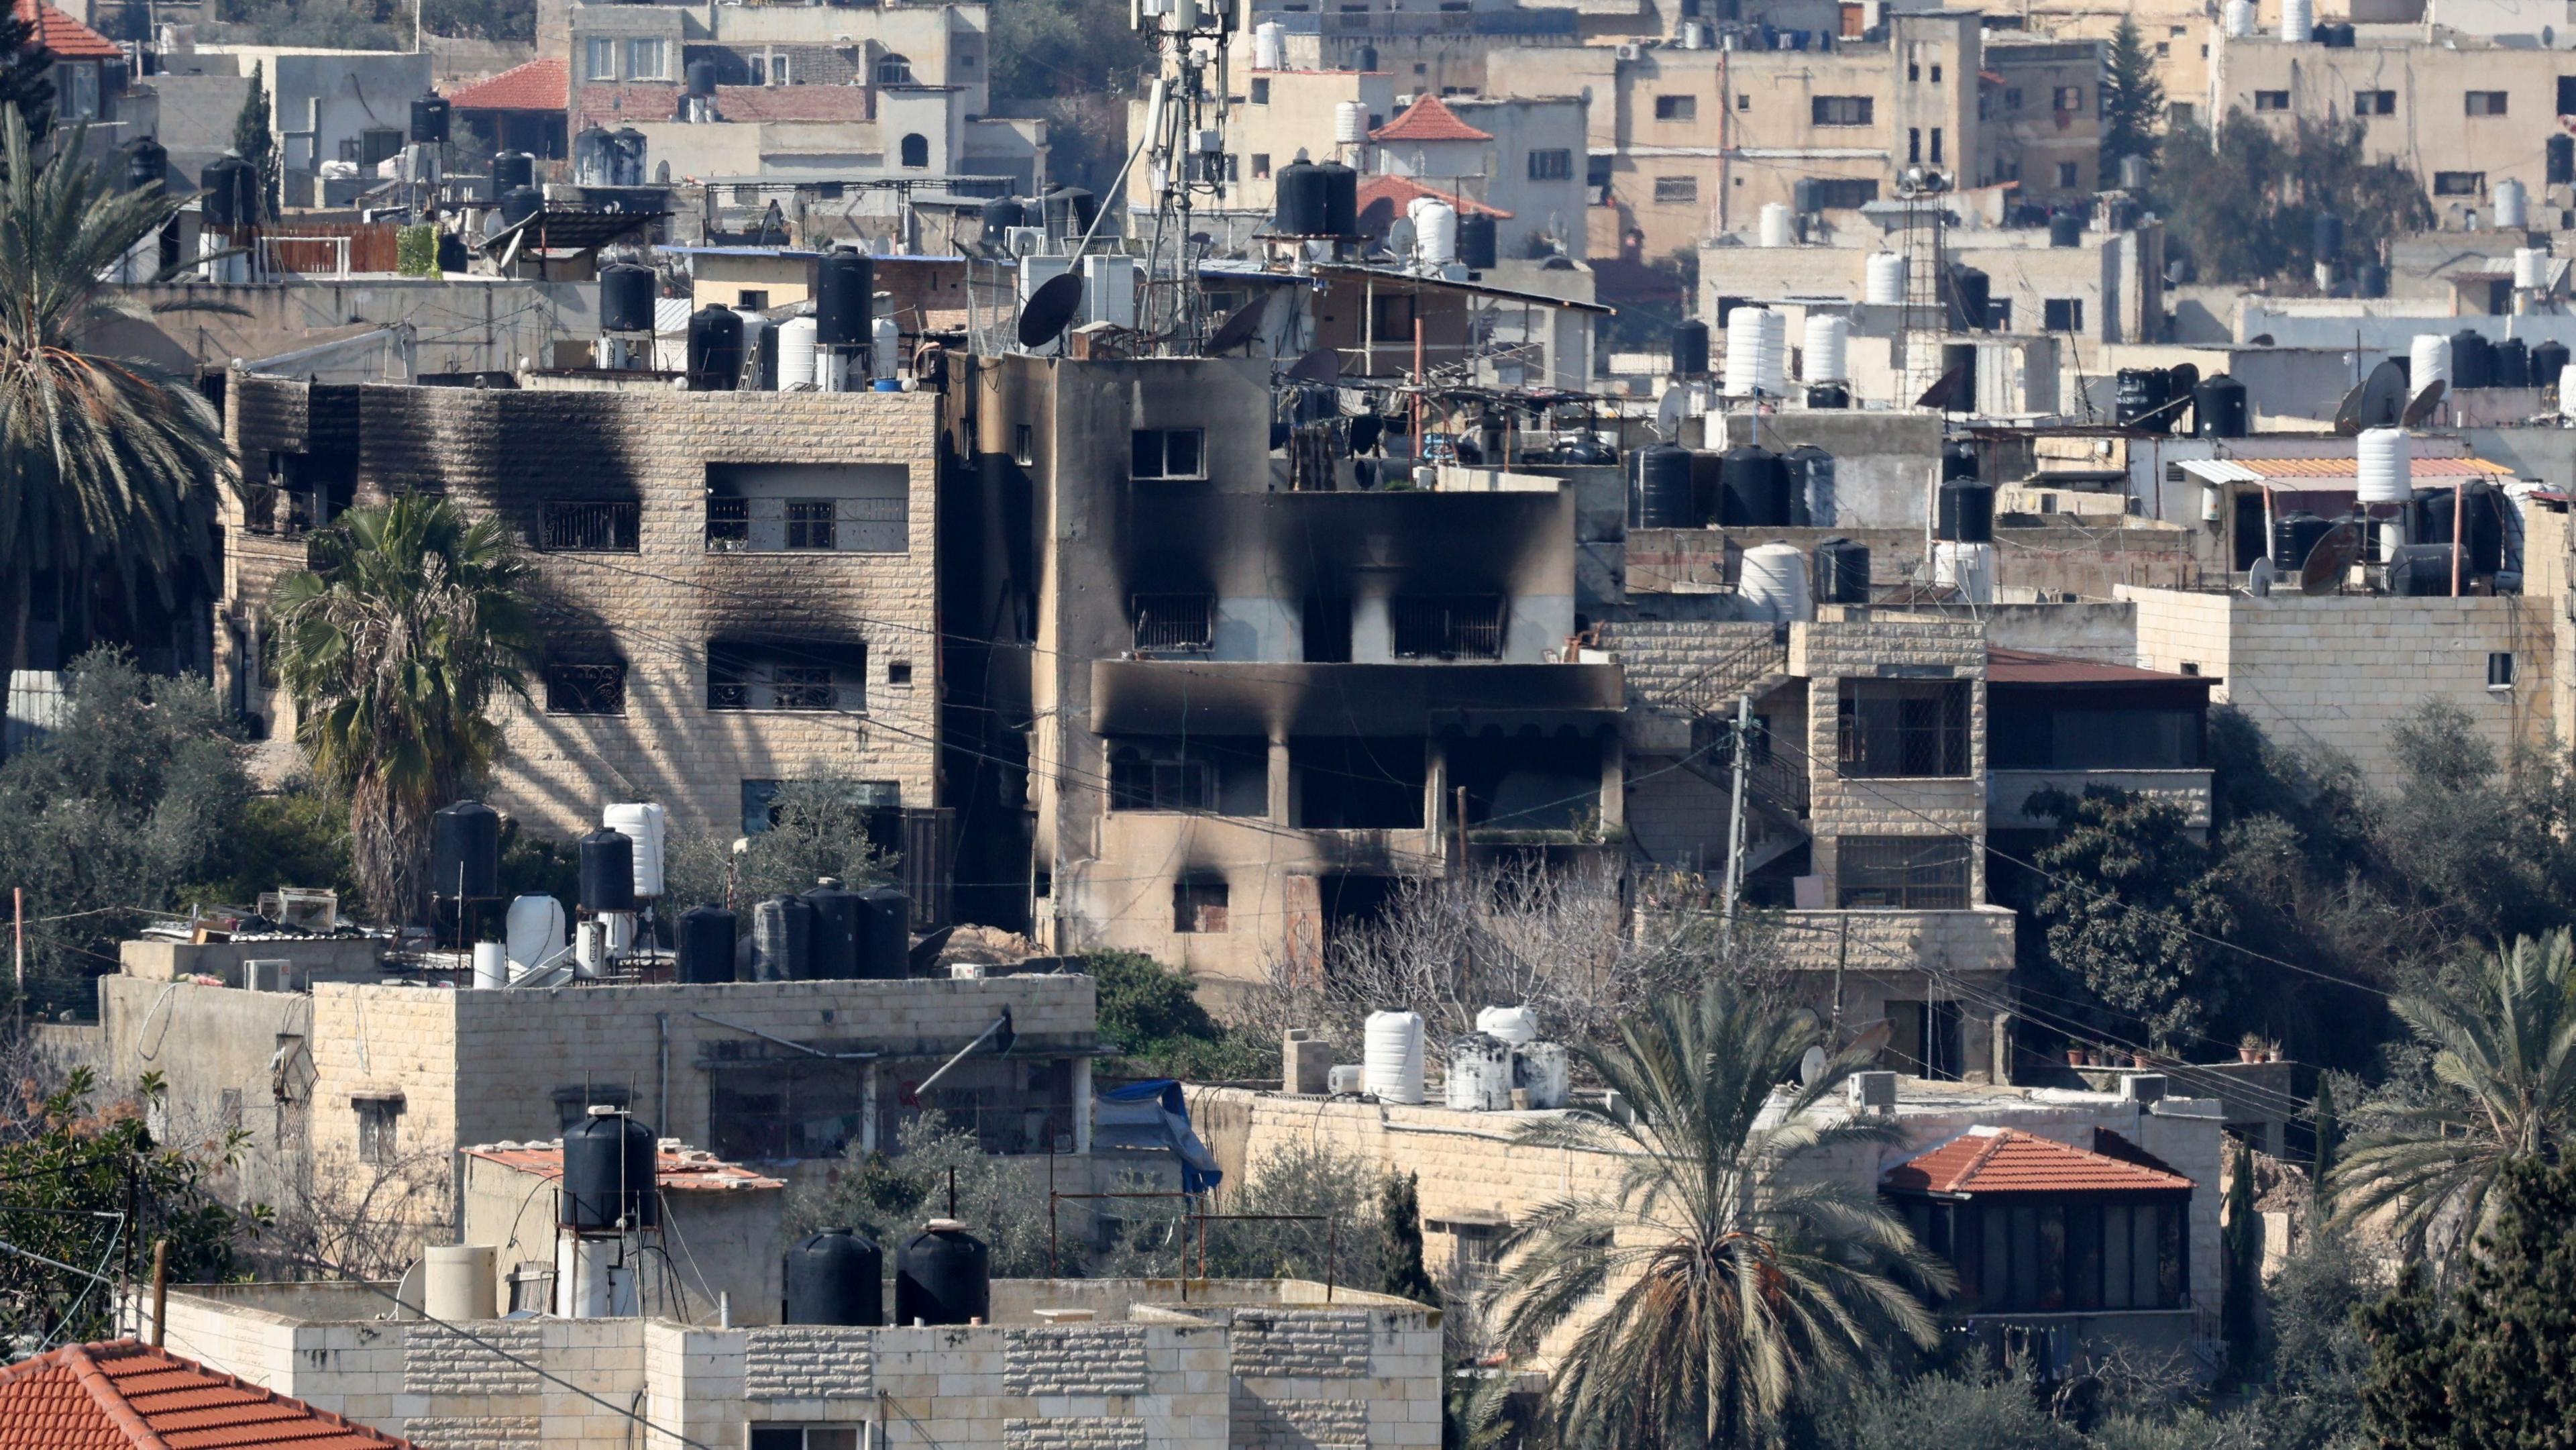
(2249, 1054)
(2075, 1057)
(2142, 1059)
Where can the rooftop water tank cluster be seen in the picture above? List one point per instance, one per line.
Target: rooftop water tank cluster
(1757, 352)
(1487, 1068)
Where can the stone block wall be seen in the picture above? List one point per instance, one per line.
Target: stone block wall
(1876, 646)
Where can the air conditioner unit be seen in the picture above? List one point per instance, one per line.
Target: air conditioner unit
(1873, 1091)
(1632, 51)
(1024, 241)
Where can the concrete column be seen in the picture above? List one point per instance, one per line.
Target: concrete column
(1280, 812)
(1082, 1105)
(1435, 792)
(1614, 785)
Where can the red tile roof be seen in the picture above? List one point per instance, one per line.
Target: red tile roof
(1399, 193)
(675, 1170)
(124, 1396)
(540, 85)
(2000, 1160)
(2023, 667)
(64, 37)
(1428, 119)
(623, 104)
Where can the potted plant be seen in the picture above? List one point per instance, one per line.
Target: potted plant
(2142, 1058)
(2075, 1056)
(2249, 1048)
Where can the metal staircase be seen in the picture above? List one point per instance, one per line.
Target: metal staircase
(1775, 788)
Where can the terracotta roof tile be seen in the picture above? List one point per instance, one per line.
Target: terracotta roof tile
(65, 37)
(540, 85)
(1400, 192)
(1429, 119)
(123, 1396)
(2000, 1160)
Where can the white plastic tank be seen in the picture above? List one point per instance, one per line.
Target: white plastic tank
(460, 1281)
(2238, 19)
(885, 347)
(2567, 391)
(1435, 231)
(2512, 205)
(647, 825)
(1350, 123)
(2386, 466)
(491, 966)
(1511, 1026)
(1773, 359)
(2428, 360)
(1480, 1074)
(1391, 1057)
(1540, 1067)
(2530, 268)
(2298, 21)
(1828, 350)
(796, 349)
(1773, 584)
(1779, 225)
(1968, 568)
(1270, 46)
(1743, 373)
(533, 929)
(1884, 280)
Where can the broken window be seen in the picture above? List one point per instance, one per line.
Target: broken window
(1529, 782)
(1902, 873)
(1356, 783)
(586, 689)
(1902, 728)
(1325, 630)
(786, 675)
(1449, 627)
(1174, 621)
(861, 508)
(728, 524)
(1199, 907)
(1227, 776)
(881, 799)
(1168, 453)
(377, 1147)
(599, 528)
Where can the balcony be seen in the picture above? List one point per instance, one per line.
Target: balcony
(1277, 699)
(2008, 793)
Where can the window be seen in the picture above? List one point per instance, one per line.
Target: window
(2164, 49)
(1891, 728)
(1167, 453)
(577, 689)
(1901, 873)
(228, 1109)
(644, 59)
(1843, 110)
(2485, 103)
(752, 299)
(1198, 907)
(1444, 627)
(2499, 670)
(809, 523)
(1923, 1040)
(2271, 100)
(1260, 91)
(1936, 145)
(596, 528)
(376, 1118)
(1174, 621)
(1676, 108)
(1024, 444)
(1844, 195)
(805, 1437)
(2069, 177)
(2012, 98)
(915, 149)
(2068, 99)
(2182, 113)
(898, 672)
(1936, 75)
(1914, 143)
(1391, 318)
(893, 70)
(379, 143)
(1743, 102)
(2459, 183)
(875, 798)
(1227, 776)
(1260, 165)
(787, 675)
(2027, 734)
(2062, 314)
(1676, 190)
(2374, 103)
(600, 59)
(728, 524)
(1551, 165)
(573, 1103)
(78, 84)
(2027, 1253)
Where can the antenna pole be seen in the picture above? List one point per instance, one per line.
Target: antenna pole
(1735, 826)
(2459, 513)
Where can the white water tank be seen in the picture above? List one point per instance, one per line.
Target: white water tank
(2530, 268)
(647, 825)
(1828, 350)
(753, 325)
(1435, 231)
(1480, 1074)
(1391, 1057)
(1779, 225)
(2298, 21)
(796, 348)
(491, 966)
(1774, 356)
(1968, 568)
(459, 1282)
(1772, 584)
(1743, 372)
(533, 930)
(885, 347)
(2428, 360)
(2512, 205)
(2386, 466)
(1270, 46)
(1540, 1067)
(1350, 123)
(2567, 391)
(2238, 19)
(1510, 1026)
(1884, 280)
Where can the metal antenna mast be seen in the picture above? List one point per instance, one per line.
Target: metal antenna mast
(1185, 147)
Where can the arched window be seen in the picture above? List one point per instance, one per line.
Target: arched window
(916, 151)
(893, 70)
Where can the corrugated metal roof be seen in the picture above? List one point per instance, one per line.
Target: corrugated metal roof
(2024, 667)
(675, 1170)
(2002, 1161)
(121, 1395)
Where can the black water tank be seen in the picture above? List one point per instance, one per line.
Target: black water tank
(2138, 398)
(885, 934)
(2065, 229)
(429, 117)
(608, 1174)
(1341, 192)
(707, 936)
(1842, 572)
(1828, 395)
(1959, 460)
(2293, 537)
(2510, 363)
(2370, 279)
(1659, 488)
(1069, 211)
(1000, 215)
(837, 918)
(2480, 511)
(715, 349)
(465, 852)
(943, 1275)
(1367, 59)
(2560, 151)
(1966, 512)
(2472, 360)
(2548, 359)
(1298, 210)
(626, 298)
(1754, 489)
(148, 163)
(782, 940)
(520, 203)
(844, 291)
(2422, 570)
(2325, 236)
(512, 170)
(1690, 348)
(1811, 486)
(1971, 300)
(219, 181)
(1476, 241)
(836, 1276)
(607, 871)
(2221, 408)
(702, 78)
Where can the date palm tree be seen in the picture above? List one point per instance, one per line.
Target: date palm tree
(110, 467)
(411, 623)
(1719, 1274)
(2504, 1068)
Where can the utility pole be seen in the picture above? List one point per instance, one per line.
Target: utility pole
(1735, 827)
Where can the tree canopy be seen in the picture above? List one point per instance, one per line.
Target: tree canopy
(2242, 201)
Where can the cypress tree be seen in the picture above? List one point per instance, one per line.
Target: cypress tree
(2242, 1245)
(256, 144)
(1399, 1216)
(2133, 101)
(2329, 1132)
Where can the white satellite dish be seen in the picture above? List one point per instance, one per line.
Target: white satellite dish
(2258, 580)
(1399, 236)
(1811, 1066)
(1670, 412)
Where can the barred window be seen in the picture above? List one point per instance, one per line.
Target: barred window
(600, 528)
(575, 689)
(1902, 728)
(1468, 627)
(1903, 873)
(809, 523)
(728, 523)
(1175, 621)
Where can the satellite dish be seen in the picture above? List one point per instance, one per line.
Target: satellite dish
(1399, 236)
(1669, 413)
(2421, 409)
(2331, 559)
(1943, 395)
(2260, 339)
(1044, 317)
(1811, 1065)
(1323, 365)
(2258, 580)
(1238, 328)
(2378, 402)
(2183, 378)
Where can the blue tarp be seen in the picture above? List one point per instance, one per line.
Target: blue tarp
(1154, 1116)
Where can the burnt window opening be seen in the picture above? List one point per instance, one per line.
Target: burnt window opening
(1168, 453)
(809, 523)
(1901, 873)
(586, 689)
(783, 1110)
(1391, 319)
(1530, 782)
(881, 800)
(1199, 907)
(1356, 783)
(1174, 621)
(862, 508)
(1449, 627)
(1229, 777)
(1923, 1040)
(787, 675)
(1890, 728)
(1325, 630)
(728, 524)
(596, 528)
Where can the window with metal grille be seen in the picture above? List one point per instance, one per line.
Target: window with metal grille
(1902, 728)
(1199, 907)
(1553, 164)
(1901, 873)
(1174, 621)
(2271, 100)
(801, 687)
(786, 675)
(2459, 183)
(809, 523)
(1168, 453)
(377, 1147)
(1676, 108)
(598, 528)
(2485, 103)
(1843, 110)
(1676, 190)
(586, 689)
(728, 524)
(1468, 626)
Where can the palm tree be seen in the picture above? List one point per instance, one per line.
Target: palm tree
(110, 467)
(412, 621)
(1731, 1277)
(2504, 1065)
